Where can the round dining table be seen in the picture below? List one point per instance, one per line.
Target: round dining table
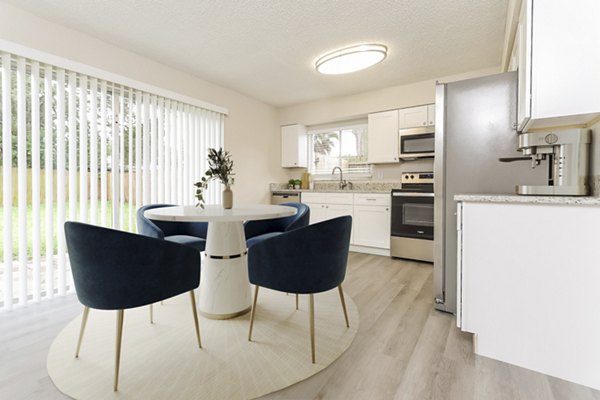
(224, 286)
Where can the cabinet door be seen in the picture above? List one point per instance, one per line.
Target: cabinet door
(321, 212)
(565, 43)
(294, 146)
(318, 212)
(383, 137)
(431, 114)
(338, 210)
(412, 117)
(372, 226)
(524, 61)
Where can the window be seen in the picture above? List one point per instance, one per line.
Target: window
(344, 147)
(75, 147)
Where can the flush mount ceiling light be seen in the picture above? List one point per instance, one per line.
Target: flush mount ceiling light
(351, 59)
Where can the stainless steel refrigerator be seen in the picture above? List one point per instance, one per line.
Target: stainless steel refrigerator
(475, 126)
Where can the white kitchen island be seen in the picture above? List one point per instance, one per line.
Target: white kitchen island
(529, 282)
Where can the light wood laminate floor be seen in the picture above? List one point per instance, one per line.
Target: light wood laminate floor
(404, 348)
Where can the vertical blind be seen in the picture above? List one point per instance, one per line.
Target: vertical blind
(75, 147)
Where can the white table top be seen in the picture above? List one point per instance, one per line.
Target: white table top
(218, 213)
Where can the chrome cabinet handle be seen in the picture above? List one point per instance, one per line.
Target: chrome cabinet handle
(421, 232)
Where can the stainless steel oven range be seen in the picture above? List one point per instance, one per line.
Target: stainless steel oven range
(412, 217)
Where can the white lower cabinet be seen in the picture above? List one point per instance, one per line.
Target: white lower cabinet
(321, 212)
(370, 216)
(528, 286)
(372, 220)
(328, 211)
(318, 212)
(372, 226)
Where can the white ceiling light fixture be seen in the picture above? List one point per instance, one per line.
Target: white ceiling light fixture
(351, 59)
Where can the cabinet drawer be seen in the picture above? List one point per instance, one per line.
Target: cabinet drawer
(328, 198)
(372, 199)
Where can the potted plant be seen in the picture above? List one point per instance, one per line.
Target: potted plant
(220, 167)
(291, 183)
(297, 184)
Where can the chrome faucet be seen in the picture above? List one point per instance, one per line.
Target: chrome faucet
(343, 183)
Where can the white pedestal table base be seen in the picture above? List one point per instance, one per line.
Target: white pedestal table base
(224, 286)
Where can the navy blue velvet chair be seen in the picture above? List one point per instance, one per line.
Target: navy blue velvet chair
(305, 260)
(188, 233)
(115, 270)
(257, 231)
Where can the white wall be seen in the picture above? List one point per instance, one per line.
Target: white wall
(359, 105)
(251, 129)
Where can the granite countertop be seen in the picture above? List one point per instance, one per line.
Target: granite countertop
(516, 199)
(331, 191)
(333, 187)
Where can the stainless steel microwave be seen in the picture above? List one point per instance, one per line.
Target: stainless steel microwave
(416, 142)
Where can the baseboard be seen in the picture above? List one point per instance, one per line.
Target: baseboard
(370, 250)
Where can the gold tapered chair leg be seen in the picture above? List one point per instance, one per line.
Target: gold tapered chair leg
(296, 301)
(252, 312)
(151, 314)
(343, 305)
(312, 325)
(86, 312)
(120, 315)
(193, 298)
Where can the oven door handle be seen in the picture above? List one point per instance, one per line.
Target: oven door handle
(411, 194)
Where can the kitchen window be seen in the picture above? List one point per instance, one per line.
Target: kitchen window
(341, 146)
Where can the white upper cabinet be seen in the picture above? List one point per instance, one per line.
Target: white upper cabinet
(383, 137)
(415, 117)
(559, 82)
(294, 146)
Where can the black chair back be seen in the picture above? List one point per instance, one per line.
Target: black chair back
(298, 220)
(160, 229)
(115, 270)
(311, 259)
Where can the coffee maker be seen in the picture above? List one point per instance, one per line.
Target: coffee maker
(568, 156)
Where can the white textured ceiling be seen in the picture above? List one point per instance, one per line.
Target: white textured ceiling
(267, 48)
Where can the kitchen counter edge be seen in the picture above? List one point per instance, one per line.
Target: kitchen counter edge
(516, 199)
(329, 191)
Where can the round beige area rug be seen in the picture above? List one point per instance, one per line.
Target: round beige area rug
(163, 361)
